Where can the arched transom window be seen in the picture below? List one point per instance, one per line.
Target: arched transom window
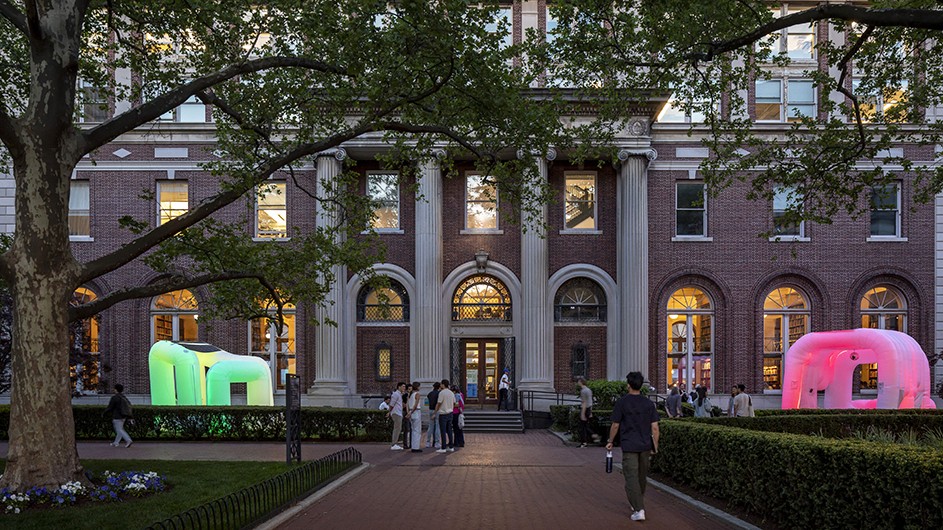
(174, 316)
(882, 307)
(690, 338)
(383, 304)
(482, 298)
(580, 300)
(786, 316)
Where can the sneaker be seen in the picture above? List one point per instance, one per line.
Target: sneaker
(451, 449)
(396, 447)
(114, 444)
(638, 516)
(441, 451)
(129, 444)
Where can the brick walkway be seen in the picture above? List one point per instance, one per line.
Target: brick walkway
(514, 481)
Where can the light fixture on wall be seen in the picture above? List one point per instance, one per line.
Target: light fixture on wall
(481, 260)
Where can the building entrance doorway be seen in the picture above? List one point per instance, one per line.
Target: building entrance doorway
(481, 377)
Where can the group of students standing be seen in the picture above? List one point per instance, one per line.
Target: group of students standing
(741, 404)
(446, 427)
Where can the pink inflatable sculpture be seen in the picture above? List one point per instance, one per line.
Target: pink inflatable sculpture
(826, 361)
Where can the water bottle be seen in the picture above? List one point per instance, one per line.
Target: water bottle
(608, 461)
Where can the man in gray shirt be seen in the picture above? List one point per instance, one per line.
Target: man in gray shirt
(586, 411)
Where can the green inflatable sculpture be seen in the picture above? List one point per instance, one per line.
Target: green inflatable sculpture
(196, 373)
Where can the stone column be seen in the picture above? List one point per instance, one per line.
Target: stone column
(331, 384)
(534, 354)
(632, 264)
(427, 360)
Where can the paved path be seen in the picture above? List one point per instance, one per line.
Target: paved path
(514, 481)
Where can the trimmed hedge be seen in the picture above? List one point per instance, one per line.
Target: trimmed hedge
(227, 423)
(804, 481)
(833, 425)
(864, 412)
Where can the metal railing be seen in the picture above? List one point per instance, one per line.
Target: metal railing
(527, 398)
(249, 506)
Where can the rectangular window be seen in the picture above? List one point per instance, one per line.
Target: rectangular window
(885, 210)
(192, 111)
(801, 97)
(691, 209)
(579, 360)
(888, 104)
(93, 106)
(769, 100)
(172, 199)
(502, 18)
(481, 203)
(800, 39)
(786, 198)
(79, 216)
(271, 211)
(384, 362)
(383, 190)
(579, 210)
(673, 113)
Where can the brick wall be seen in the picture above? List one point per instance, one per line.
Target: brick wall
(367, 339)
(564, 338)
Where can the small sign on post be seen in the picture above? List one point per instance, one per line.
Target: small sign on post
(292, 418)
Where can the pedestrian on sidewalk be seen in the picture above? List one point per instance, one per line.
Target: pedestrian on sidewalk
(673, 403)
(396, 414)
(457, 420)
(413, 405)
(743, 403)
(586, 411)
(635, 420)
(432, 434)
(120, 409)
(406, 427)
(731, 411)
(444, 404)
(504, 389)
(702, 405)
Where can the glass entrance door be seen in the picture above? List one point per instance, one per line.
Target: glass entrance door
(482, 358)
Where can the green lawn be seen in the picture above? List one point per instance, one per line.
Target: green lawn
(190, 484)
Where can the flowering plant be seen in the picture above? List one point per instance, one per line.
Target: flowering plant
(111, 487)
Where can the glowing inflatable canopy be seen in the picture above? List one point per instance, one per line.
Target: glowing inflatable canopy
(826, 361)
(196, 373)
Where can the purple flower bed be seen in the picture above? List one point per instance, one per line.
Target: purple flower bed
(110, 487)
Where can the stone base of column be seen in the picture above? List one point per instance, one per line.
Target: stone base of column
(331, 394)
(536, 385)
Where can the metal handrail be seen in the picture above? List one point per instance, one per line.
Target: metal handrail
(526, 401)
(249, 506)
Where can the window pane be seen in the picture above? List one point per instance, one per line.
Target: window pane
(799, 46)
(188, 329)
(79, 219)
(691, 196)
(481, 207)
(768, 111)
(191, 113)
(772, 373)
(701, 327)
(690, 223)
(272, 218)
(173, 199)
(769, 91)
(797, 111)
(784, 227)
(884, 223)
(772, 334)
(798, 326)
(801, 92)
(884, 197)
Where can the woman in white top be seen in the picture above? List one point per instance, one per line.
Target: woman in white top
(414, 414)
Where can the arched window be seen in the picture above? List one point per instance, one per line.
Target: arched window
(383, 304)
(882, 307)
(482, 298)
(174, 316)
(786, 316)
(276, 347)
(84, 355)
(690, 338)
(580, 300)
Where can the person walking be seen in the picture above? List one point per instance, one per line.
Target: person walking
(432, 434)
(702, 405)
(406, 427)
(504, 390)
(120, 409)
(673, 403)
(413, 405)
(743, 403)
(457, 412)
(444, 404)
(586, 411)
(396, 414)
(733, 398)
(635, 420)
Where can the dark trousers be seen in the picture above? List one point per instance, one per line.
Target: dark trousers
(585, 436)
(459, 432)
(445, 429)
(635, 472)
(503, 399)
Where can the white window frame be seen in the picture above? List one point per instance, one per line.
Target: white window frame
(783, 47)
(789, 117)
(284, 194)
(159, 209)
(84, 90)
(272, 346)
(801, 236)
(88, 212)
(671, 114)
(704, 232)
(781, 103)
(595, 200)
(897, 218)
(175, 314)
(497, 209)
(398, 229)
(505, 12)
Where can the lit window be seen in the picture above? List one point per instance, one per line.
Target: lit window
(481, 297)
(84, 357)
(266, 338)
(271, 211)
(690, 338)
(882, 307)
(384, 362)
(673, 113)
(579, 210)
(79, 216)
(799, 95)
(769, 100)
(691, 210)
(785, 319)
(889, 104)
(885, 210)
(481, 203)
(383, 190)
(174, 316)
(383, 304)
(786, 198)
(173, 199)
(580, 300)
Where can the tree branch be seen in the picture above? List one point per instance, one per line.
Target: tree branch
(173, 283)
(14, 16)
(131, 119)
(8, 128)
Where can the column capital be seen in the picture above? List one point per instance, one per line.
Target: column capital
(550, 155)
(339, 153)
(648, 152)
